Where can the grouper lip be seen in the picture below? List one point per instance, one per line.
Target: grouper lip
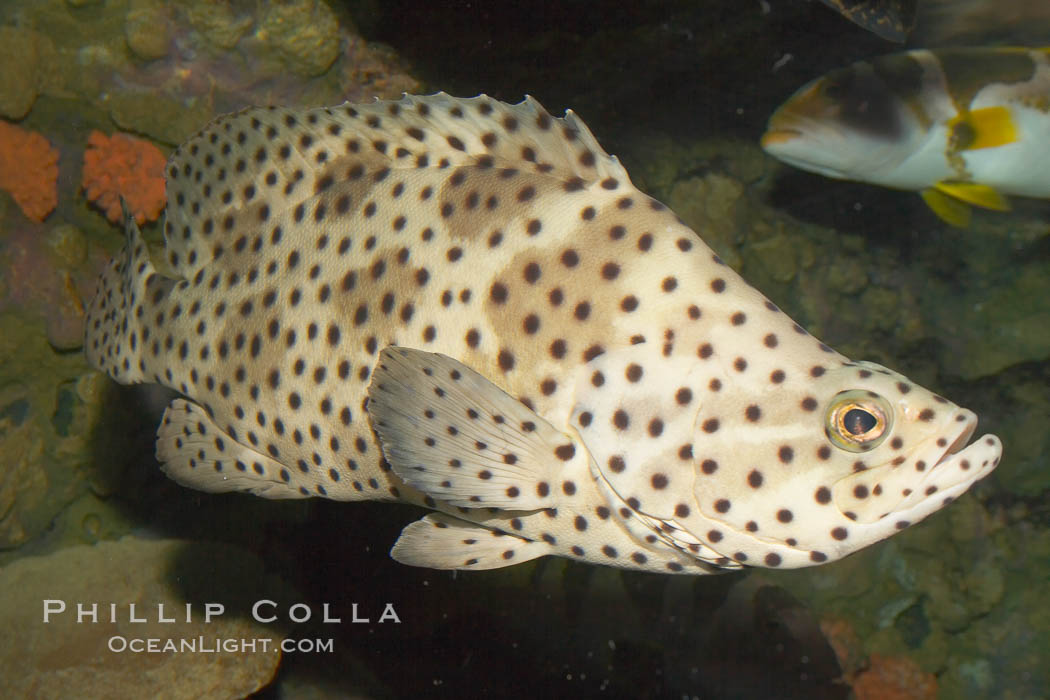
(969, 465)
(928, 479)
(972, 460)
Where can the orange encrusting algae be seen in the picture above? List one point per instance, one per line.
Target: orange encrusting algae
(28, 170)
(124, 166)
(876, 677)
(894, 678)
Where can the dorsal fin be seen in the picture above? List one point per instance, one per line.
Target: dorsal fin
(246, 167)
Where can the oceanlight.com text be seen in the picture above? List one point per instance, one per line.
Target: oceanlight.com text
(217, 645)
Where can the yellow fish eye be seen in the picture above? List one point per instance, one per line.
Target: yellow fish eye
(858, 420)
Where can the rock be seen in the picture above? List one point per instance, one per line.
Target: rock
(778, 256)
(847, 276)
(985, 585)
(45, 429)
(23, 486)
(218, 56)
(20, 62)
(90, 520)
(68, 244)
(304, 33)
(894, 677)
(1026, 435)
(368, 70)
(147, 29)
(987, 329)
(970, 678)
(157, 115)
(65, 322)
(881, 307)
(217, 21)
(709, 205)
(59, 656)
(48, 279)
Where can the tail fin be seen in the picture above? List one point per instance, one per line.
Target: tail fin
(114, 341)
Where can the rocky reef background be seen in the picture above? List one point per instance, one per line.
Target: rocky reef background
(680, 90)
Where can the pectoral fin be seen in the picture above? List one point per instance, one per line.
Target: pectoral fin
(987, 127)
(453, 434)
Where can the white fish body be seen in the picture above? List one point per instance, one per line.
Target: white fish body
(962, 126)
(467, 305)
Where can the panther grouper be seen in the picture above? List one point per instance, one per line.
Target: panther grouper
(962, 126)
(467, 305)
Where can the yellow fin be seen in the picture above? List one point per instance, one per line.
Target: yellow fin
(949, 210)
(976, 194)
(987, 127)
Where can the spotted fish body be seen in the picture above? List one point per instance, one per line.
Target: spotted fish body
(466, 305)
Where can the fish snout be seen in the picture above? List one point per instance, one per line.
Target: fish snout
(778, 137)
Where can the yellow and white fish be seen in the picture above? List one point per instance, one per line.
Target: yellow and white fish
(467, 305)
(962, 126)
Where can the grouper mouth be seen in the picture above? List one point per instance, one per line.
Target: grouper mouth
(940, 470)
(961, 463)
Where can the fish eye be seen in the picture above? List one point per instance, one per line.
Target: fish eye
(857, 421)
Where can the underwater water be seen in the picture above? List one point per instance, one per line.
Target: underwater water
(681, 92)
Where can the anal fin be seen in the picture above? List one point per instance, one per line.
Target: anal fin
(453, 434)
(440, 541)
(948, 209)
(976, 194)
(196, 453)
